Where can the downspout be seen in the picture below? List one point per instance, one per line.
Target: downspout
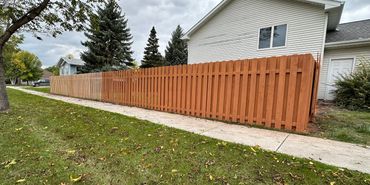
(324, 38)
(323, 53)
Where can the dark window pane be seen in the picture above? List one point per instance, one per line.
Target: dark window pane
(279, 35)
(265, 38)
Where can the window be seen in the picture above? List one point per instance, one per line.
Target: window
(272, 37)
(265, 38)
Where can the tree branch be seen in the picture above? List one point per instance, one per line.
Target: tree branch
(26, 18)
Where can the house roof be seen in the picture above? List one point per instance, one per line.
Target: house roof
(46, 74)
(72, 61)
(334, 9)
(352, 31)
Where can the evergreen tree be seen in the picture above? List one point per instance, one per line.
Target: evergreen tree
(109, 40)
(152, 57)
(177, 50)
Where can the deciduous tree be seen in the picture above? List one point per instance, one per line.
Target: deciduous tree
(53, 69)
(31, 66)
(46, 16)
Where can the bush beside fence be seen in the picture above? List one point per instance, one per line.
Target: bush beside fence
(276, 92)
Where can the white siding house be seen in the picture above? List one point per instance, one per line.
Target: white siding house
(352, 56)
(234, 32)
(241, 29)
(345, 48)
(69, 66)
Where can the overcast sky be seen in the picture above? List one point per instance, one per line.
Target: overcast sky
(165, 15)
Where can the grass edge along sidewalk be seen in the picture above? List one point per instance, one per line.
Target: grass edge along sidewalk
(331, 123)
(340, 154)
(64, 143)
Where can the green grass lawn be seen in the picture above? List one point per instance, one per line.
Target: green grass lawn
(39, 89)
(344, 125)
(44, 141)
(332, 123)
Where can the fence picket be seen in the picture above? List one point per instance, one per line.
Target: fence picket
(278, 92)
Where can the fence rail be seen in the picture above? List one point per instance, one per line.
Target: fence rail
(276, 92)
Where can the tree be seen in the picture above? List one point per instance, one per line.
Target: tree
(109, 40)
(10, 49)
(53, 69)
(24, 66)
(152, 57)
(46, 16)
(177, 50)
(14, 71)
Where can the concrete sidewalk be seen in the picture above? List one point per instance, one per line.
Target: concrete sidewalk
(335, 153)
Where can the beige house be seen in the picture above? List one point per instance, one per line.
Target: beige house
(240, 29)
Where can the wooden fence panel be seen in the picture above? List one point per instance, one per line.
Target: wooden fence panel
(86, 86)
(276, 92)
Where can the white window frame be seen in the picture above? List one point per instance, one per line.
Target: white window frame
(272, 37)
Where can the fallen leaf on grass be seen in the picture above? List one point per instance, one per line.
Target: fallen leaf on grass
(174, 171)
(18, 129)
(221, 144)
(13, 162)
(21, 180)
(75, 179)
(210, 177)
(71, 152)
(332, 183)
(295, 176)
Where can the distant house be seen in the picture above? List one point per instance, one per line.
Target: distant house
(69, 66)
(46, 75)
(241, 29)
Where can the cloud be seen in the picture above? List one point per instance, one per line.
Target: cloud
(356, 10)
(142, 15)
(50, 49)
(165, 15)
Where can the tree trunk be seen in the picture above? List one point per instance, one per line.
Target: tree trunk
(4, 102)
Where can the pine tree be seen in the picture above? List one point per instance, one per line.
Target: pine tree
(152, 57)
(109, 40)
(177, 50)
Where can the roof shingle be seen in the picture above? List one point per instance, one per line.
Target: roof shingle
(350, 32)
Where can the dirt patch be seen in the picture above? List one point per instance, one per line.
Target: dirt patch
(323, 108)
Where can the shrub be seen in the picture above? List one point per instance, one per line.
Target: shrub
(353, 90)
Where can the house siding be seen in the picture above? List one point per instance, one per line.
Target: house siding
(64, 69)
(68, 69)
(73, 69)
(233, 32)
(358, 53)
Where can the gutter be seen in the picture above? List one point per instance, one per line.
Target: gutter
(349, 43)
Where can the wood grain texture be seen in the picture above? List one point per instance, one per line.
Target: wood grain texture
(276, 92)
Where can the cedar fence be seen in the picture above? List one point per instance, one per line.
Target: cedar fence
(276, 92)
